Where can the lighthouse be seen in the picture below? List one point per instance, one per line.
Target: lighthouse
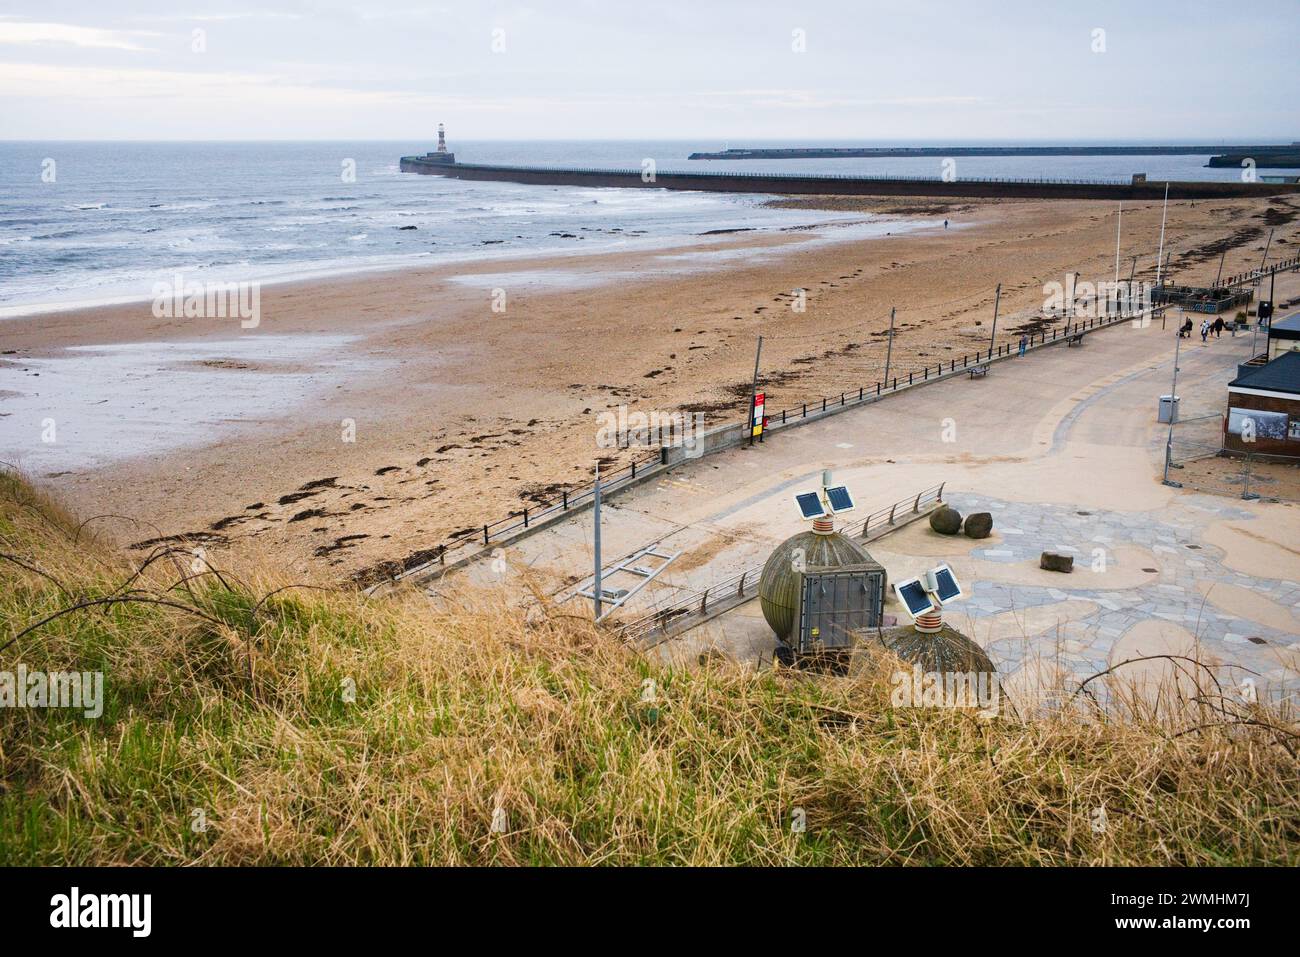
(440, 155)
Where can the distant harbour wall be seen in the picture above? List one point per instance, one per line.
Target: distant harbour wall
(1275, 154)
(830, 185)
(1285, 159)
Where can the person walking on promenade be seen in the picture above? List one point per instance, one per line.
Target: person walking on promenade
(1024, 344)
(1218, 327)
(1205, 329)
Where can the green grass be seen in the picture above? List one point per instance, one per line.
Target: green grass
(234, 706)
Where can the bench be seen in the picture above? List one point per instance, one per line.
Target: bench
(979, 371)
(1074, 340)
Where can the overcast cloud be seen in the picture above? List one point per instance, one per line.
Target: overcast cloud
(710, 72)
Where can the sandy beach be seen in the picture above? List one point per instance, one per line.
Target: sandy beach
(368, 417)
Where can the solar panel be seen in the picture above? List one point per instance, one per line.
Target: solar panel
(840, 499)
(810, 505)
(948, 587)
(912, 594)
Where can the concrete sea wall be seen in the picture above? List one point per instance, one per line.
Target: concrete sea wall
(845, 185)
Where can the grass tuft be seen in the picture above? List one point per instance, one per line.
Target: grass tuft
(250, 720)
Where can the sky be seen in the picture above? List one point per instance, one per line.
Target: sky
(713, 71)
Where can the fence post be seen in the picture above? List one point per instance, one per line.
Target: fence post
(525, 518)
(891, 513)
(485, 535)
(565, 493)
(916, 506)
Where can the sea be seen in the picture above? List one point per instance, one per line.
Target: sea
(101, 222)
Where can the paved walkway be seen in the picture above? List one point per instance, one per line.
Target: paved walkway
(1064, 449)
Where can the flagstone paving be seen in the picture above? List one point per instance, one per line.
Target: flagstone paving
(1064, 450)
(1184, 561)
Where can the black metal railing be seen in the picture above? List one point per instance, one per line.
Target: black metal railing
(529, 516)
(1259, 275)
(912, 376)
(744, 584)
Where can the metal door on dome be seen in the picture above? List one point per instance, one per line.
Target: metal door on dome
(836, 602)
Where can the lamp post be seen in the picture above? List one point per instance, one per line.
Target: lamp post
(997, 300)
(595, 503)
(1119, 229)
(889, 345)
(1160, 253)
(753, 392)
(1173, 405)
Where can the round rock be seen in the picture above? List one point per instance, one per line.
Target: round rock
(979, 524)
(946, 520)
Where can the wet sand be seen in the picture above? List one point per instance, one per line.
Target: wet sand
(415, 410)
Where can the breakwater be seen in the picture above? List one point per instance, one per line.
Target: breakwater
(904, 152)
(832, 185)
(1280, 159)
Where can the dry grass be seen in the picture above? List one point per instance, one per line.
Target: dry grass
(232, 703)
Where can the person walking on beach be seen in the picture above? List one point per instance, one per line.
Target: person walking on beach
(1024, 344)
(945, 224)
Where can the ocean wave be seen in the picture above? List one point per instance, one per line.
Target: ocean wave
(197, 208)
(171, 207)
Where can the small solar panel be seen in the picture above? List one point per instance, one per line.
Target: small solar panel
(840, 499)
(810, 505)
(912, 594)
(948, 587)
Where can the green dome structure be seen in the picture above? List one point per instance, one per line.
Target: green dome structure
(780, 583)
(945, 651)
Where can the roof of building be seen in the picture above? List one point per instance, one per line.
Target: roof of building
(1280, 375)
(1287, 326)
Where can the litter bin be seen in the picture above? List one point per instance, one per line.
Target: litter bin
(1168, 408)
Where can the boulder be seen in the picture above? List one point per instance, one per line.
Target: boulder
(1055, 562)
(979, 524)
(945, 520)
